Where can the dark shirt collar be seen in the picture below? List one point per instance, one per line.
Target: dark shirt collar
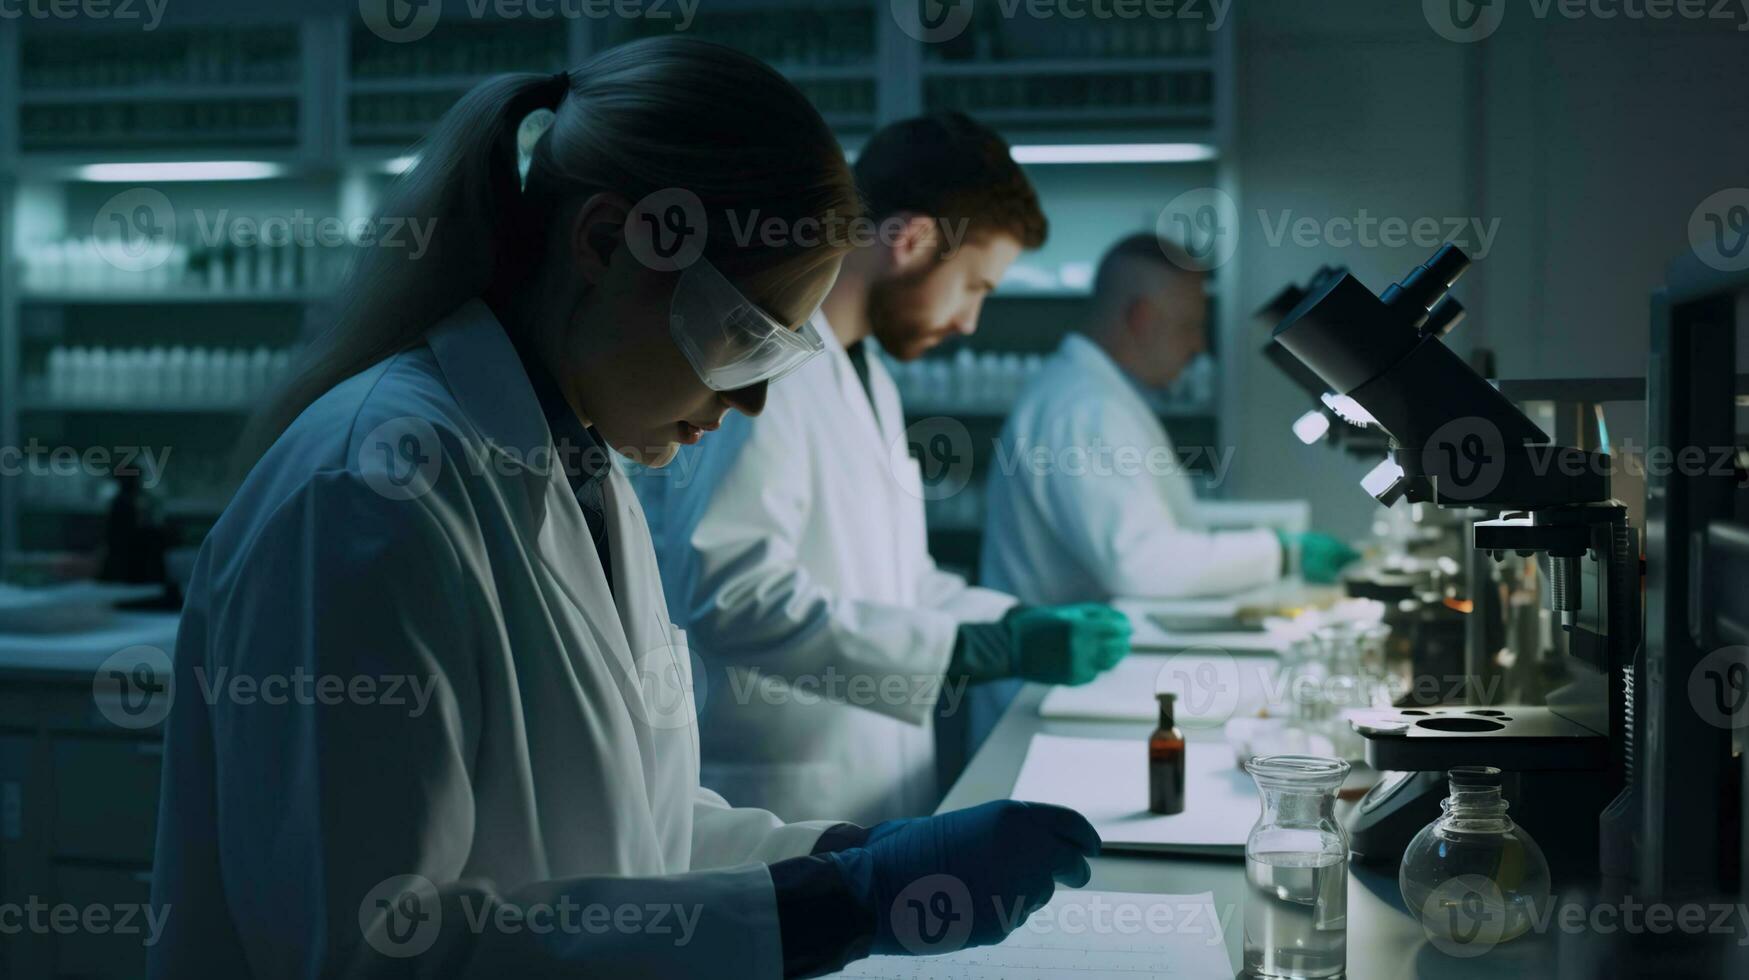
(581, 451)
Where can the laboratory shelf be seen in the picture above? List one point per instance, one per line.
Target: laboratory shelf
(169, 297)
(414, 83)
(184, 508)
(859, 71)
(1083, 114)
(342, 106)
(1065, 66)
(155, 93)
(44, 406)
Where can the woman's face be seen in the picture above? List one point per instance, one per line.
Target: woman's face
(645, 399)
(623, 370)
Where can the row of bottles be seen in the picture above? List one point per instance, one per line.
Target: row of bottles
(398, 115)
(960, 511)
(464, 53)
(851, 96)
(87, 265)
(255, 121)
(188, 483)
(782, 35)
(1137, 37)
(1160, 91)
(986, 381)
(158, 377)
(206, 57)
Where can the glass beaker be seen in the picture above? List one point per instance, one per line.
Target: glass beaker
(1296, 871)
(1473, 875)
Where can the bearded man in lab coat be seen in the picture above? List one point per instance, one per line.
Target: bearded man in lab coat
(1089, 499)
(793, 548)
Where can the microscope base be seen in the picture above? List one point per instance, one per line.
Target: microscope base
(1514, 738)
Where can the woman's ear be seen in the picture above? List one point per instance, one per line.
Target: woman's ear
(597, 232)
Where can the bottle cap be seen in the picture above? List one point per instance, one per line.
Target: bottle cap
(1166, 698)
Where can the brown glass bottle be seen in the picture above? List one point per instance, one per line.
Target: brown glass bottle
(1166, 762)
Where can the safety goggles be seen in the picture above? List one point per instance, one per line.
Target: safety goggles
(730, 342)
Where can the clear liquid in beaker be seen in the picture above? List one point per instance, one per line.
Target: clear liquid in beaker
(1296, 915)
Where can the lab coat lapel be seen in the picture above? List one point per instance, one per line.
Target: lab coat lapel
(849, 387)
(491, 385)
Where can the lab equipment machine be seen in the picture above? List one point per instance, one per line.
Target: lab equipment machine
(1457, 443)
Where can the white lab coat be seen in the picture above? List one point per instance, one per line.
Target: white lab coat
(1087, 502)
(794, 552)
(546, 771)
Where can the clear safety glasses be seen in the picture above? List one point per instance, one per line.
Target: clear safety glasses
(730, 342)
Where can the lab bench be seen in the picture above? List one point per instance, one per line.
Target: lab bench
(1384, 941)
(78, 800)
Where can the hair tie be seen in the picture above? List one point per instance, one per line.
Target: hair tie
(557, 88)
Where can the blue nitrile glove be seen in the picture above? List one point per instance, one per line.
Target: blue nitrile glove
(966, 878)
(1322, 557)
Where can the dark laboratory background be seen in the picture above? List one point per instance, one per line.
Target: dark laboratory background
(1577, 158)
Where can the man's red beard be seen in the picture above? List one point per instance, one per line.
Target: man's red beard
(896, 320)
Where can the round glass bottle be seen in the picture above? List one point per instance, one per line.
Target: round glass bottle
(1296, 871)
(1473, 872)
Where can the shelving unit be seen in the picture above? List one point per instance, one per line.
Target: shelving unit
(331, 105)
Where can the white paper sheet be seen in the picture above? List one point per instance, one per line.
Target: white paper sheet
(1147, 634)
(1093, 935)
(1211, 687)
(1107, 781)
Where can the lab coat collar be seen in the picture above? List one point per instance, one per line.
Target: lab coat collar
(490, 385)
(844, 374)
(1080, 350)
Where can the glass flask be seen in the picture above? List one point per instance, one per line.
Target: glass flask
(1296, 871)
(1333, 670)
(1473, 869)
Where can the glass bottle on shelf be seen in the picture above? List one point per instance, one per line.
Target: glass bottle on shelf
(1296, 871)
(1166, 761)
(1473, 874)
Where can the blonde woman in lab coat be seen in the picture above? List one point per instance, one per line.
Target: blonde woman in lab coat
(471, 747)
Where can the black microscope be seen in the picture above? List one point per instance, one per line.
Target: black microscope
(1456, 442)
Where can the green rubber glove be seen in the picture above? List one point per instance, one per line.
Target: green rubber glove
(1322, 557)
(1066, 644)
